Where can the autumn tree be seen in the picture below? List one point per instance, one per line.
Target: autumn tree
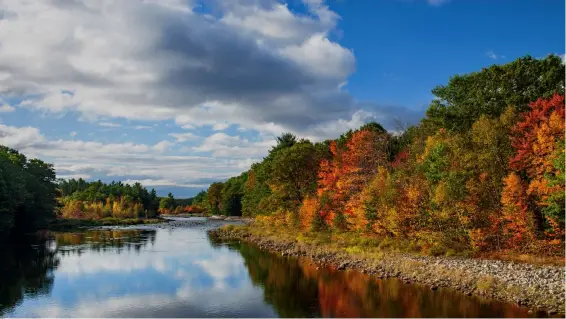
(538, 139)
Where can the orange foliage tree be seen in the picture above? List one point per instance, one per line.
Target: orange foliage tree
(538, 139)
(344, 176)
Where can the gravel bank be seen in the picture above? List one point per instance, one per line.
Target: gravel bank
(536, 287)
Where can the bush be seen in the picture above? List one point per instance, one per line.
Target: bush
(437, 250)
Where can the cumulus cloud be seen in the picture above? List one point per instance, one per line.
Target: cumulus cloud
(250, 64)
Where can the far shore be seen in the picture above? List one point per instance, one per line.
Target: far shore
(70, 224)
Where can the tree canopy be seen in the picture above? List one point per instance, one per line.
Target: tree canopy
(489, 92)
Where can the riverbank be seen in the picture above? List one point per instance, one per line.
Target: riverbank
(230, 218)
(539, 287)
(67, 224)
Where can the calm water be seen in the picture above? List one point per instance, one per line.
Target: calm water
(179, 272)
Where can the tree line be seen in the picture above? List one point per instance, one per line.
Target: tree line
(96, 200)
(483, 171)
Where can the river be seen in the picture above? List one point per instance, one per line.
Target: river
(177, 271)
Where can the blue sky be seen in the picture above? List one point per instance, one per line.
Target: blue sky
(177, 94)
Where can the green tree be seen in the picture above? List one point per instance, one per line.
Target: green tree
(27, 192)
(492, 90)
(167, 202)
(294, 172)
(232, 194)
(257, 198)
(215, 196)
(200, 198)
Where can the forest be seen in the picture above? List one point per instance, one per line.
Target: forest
(482, 171)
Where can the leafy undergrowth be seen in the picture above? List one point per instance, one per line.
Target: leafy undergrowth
(74, 223)
(361, 245)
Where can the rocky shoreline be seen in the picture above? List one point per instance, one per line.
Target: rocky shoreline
(540, 288)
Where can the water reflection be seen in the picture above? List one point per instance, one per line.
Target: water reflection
(103, 240)
(296, 288)
(163, 273)
(181, 273)
(26, 269)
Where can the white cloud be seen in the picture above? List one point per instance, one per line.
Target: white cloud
(143, 127)
(19, 138)
(188, 127)
(322, 57)
(109, 124)
(224, 145)
(5, 108)
(493, 56)
(183, 137)
(220, 126)
(162, 146)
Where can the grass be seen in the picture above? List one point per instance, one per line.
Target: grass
(485, 284)
(359, 243)
(63, 224)
(525, 258)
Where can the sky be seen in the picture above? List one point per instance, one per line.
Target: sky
(177, 94)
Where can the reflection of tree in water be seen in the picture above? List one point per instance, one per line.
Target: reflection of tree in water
(353, 294)
(103, 240)
(285, 286)
(26, 268)
(298, 289)
(28, 263)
